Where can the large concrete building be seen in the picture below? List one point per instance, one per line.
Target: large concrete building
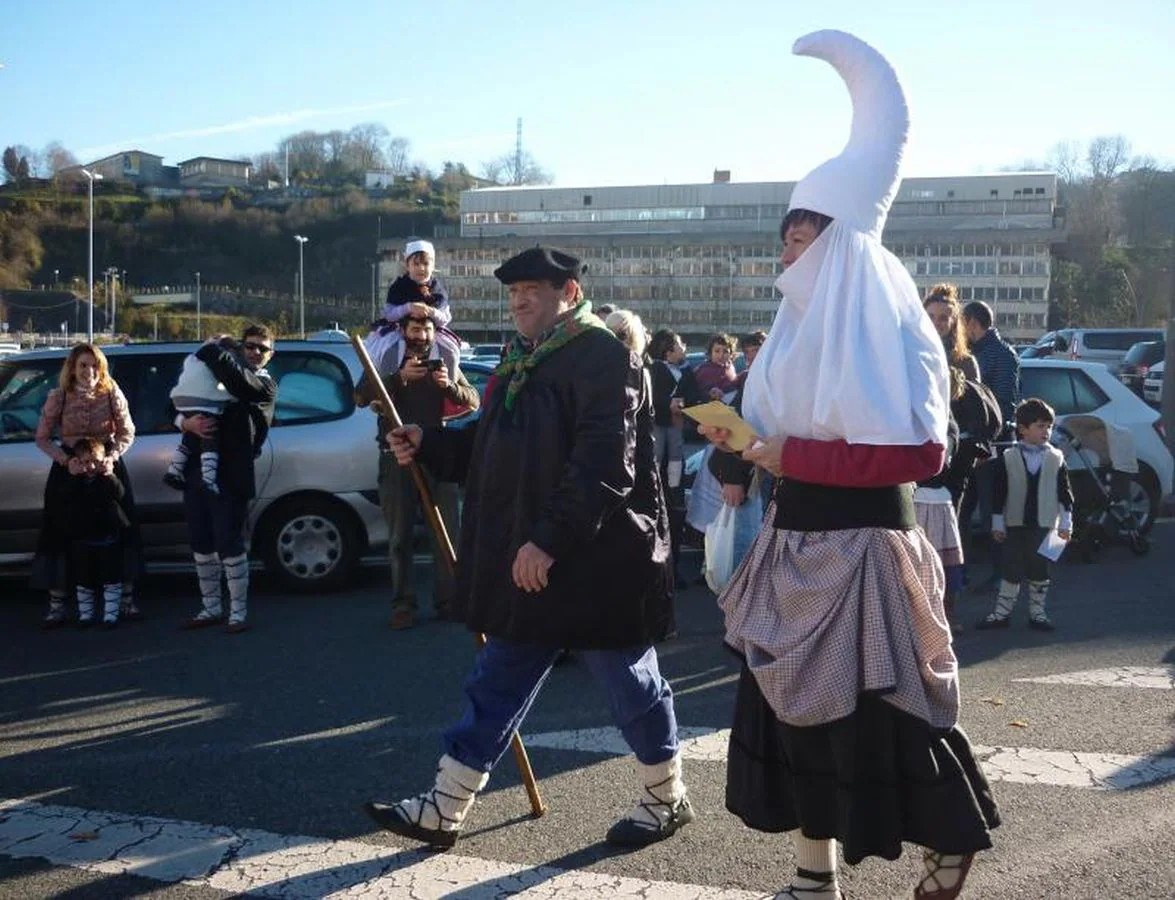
(700, 258)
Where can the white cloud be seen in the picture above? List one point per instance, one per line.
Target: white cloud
(251, 123)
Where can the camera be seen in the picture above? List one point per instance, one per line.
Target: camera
(435, 365)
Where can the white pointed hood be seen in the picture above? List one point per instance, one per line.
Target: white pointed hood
(851, 354)
(858, 186)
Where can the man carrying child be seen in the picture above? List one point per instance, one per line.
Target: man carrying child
(216, 519)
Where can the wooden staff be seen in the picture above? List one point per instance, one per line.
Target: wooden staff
(433, 514)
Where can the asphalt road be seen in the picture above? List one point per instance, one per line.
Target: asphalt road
(290, 727)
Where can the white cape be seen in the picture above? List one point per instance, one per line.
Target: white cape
(851, 354)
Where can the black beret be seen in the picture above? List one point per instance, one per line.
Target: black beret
(540, 264)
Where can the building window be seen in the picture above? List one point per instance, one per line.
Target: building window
(995, 192)
(587, 199)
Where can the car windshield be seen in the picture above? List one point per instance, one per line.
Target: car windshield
(24, 385)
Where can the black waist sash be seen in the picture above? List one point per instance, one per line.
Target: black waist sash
(800, 506)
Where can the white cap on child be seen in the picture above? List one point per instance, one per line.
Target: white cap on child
(420, 247)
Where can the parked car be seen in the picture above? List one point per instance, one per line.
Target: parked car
(1152, 385)
(317, 509)
(1102, 345)
(1079, 387)
(1138, 361)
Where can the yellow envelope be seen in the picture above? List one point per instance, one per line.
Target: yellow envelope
(719, 415)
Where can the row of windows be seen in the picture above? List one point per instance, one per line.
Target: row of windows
(994, 295)
(551, 216)
(683, 291)
(906, 250)
(770, 211)
(971, 207)
(925, 194)
(978, 267)
(1020, 320)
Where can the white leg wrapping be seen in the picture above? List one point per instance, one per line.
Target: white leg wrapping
(85, 604)
(663, 791)
(236, 574)
(209, 468)
(112, 597)
(445, 806)
(1005, 601)
(1038, 592)
(208, 574)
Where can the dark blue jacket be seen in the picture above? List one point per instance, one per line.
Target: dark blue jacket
(999, 367)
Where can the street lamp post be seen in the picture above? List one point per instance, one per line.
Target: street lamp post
(374, 267)
(301, 286)
(112, 298)
(92, 176)
(199, 334)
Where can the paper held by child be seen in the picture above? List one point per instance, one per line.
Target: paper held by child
(717, 414)
(1052, 546)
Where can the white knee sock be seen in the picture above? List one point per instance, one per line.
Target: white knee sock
(815, 868)
(1005, 601)
(56, 606)
(208, 574)
(236, 573)
(85, 604)
(663, 790)
(112, 595)
(209, 466)
(445, 806)
(1038, 592)
(179, 458)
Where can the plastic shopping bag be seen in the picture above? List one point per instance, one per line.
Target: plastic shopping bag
(720, 541)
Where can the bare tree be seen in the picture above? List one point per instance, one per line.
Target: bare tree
(308, 152)
(1065, 159)
(510, 168)
(57, 158)
(397, 155)
(365, 147)
(1107, 157)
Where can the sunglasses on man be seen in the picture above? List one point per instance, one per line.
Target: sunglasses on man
(258, 348)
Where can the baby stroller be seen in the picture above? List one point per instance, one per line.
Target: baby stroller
(1101, 460)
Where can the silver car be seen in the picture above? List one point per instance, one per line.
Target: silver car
(317, 509)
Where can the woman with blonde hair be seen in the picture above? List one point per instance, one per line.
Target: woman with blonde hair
(87, 403)
(628, 327)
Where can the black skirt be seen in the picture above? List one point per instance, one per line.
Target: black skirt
(52, 568)
(871, 780)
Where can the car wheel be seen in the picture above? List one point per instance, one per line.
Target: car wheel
(310, 543)
(1143, 498)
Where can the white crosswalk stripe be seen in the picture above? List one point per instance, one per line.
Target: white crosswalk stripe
(1021, 765)
(292, 867)
(1155, 677)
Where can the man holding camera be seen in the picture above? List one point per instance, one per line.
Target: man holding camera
(419, 383)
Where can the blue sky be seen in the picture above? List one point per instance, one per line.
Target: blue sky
(610, 92)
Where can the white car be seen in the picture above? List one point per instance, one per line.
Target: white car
(1152, 385)
(1072, 387)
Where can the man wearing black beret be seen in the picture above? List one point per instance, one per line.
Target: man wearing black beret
(564, 544)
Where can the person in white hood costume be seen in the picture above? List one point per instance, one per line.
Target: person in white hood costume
(845, 722)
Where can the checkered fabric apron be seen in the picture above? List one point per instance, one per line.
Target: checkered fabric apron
(821, 617)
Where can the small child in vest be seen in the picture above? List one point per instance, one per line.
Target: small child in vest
(95, 526)
(197, 391)
(418, 292)
(1032, 497)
